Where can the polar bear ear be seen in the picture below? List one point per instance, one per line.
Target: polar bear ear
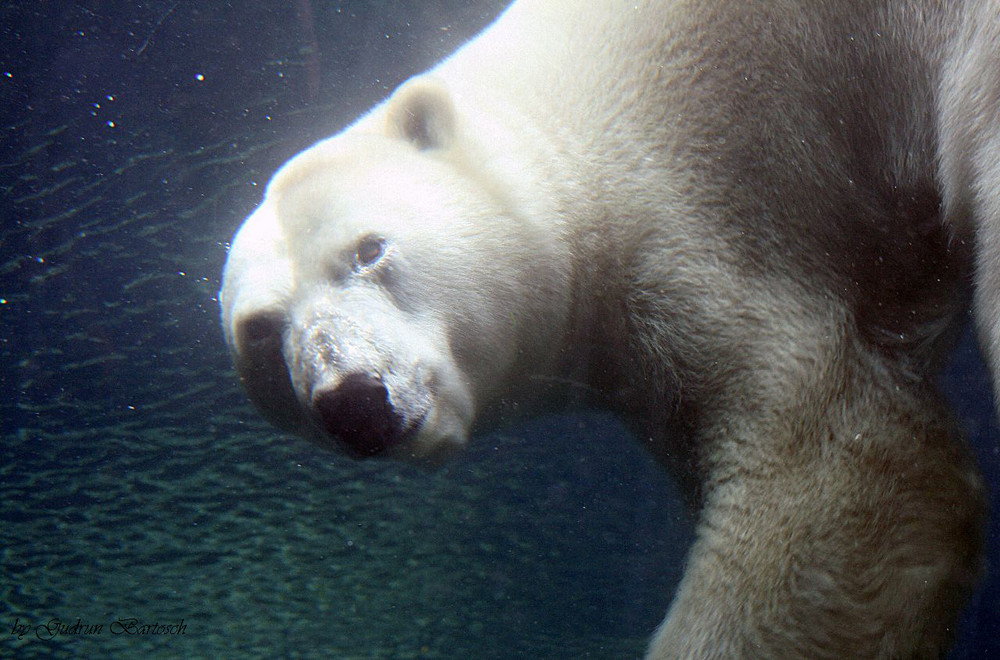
(421, 112)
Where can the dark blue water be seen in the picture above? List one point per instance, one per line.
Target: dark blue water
(146, 509)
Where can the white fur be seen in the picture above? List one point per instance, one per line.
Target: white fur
(745, 226)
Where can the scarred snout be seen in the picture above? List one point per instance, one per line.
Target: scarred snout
(358, 389)
(320, 397)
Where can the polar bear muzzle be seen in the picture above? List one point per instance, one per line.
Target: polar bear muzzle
(321, 380)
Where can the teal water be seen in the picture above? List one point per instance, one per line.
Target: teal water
(264, 547)
(137, 482)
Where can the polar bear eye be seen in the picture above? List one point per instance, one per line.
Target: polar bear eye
(370, 249)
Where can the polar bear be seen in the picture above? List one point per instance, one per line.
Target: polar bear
(749, 228)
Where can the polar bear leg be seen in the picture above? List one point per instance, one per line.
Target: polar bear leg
(850, 531)
(987, 285)
(969, 155)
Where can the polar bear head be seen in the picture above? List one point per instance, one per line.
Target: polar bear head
(385, 291)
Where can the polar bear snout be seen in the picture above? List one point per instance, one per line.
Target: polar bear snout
(359, 416)
(349, 371)
(333, 380)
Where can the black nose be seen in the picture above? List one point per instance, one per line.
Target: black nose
(357, 414)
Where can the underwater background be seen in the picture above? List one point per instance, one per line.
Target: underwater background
(146, 510)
